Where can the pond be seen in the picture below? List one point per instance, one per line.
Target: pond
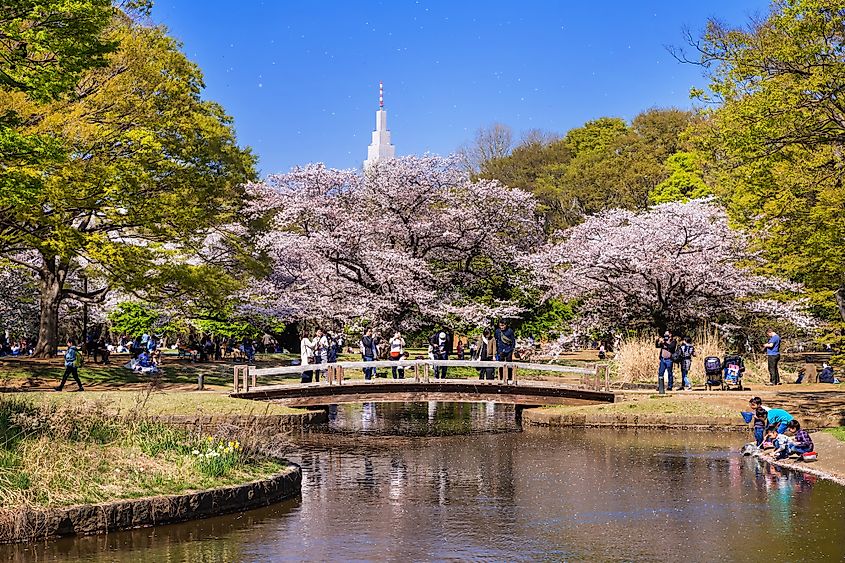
(429, 481)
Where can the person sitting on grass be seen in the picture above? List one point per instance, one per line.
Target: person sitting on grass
(799, 443)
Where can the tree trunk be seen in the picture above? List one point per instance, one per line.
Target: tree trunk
(51, 297)
(840, 301)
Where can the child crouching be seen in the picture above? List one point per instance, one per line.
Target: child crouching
(799, 442)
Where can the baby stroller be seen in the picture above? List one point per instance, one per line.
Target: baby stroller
(713, 373)
(734, 368)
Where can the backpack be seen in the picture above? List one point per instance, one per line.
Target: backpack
(77, 359)
(677, 356)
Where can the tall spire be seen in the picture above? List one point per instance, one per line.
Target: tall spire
(380, 147)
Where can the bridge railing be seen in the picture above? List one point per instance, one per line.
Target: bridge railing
(597, 377)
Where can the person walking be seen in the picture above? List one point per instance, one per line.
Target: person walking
(772, 348)
(397, 352)
(486, 352)
(369, 353)
(686, 353)
(505, 344)
(73, 360)
(667, 346)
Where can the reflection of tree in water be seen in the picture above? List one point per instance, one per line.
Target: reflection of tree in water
(422, 419)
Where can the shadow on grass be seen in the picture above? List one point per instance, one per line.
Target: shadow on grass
(23, 374)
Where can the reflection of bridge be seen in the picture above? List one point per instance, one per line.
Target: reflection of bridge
(420, 386)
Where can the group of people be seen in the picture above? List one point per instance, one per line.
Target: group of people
(777, 429)
(675, 351)
(318, 350)
(13, 346)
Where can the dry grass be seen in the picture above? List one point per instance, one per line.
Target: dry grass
(636, 361)
(59, 454)
(669, 405)
(123, 403)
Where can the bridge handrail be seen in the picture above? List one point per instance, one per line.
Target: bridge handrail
(286, 370)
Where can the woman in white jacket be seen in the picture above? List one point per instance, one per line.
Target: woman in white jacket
(306, 355)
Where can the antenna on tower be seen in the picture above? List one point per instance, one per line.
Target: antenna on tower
(380, 95)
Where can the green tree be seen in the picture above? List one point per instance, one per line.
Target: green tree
(604, 164)
(46, 45)
(151, 171)
(776, 139)
(685, 180)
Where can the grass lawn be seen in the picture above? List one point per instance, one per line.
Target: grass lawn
(653, 406)
(40, 374)
(838, 433)
(160, 402)
(64, 454)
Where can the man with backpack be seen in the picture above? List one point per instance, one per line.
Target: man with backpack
(438, 347)
(73, 361)
(685, 353)
(505, 344)
(667, 346)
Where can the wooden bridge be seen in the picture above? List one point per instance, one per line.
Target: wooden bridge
(419, 385)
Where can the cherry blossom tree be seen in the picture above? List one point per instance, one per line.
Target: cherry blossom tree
(412, 240)
(19, 306)
(673, 265)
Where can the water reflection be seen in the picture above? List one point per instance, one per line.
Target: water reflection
(576, 495)
(422, 419)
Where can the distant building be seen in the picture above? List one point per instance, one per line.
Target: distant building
(380, 148)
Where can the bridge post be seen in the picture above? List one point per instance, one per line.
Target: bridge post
(340, 376)
(245, 372)
(236, 370)
(425, 373)
(513, 371)
(252, 372)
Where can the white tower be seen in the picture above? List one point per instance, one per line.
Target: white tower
(380, 147)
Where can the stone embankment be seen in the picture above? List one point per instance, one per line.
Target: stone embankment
(541, 417)
(38, 524)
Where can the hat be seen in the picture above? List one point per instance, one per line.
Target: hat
(442, 337)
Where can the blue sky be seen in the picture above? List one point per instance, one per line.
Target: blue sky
(301, 78)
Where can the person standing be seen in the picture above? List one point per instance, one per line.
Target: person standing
(687, 352)
(439, 349)
(369, 352)
(306, 357)
(505, 344)
(397, 352)
(772, 348)
(73, 359)
(486, 352)
(321, 352)
(667, 346)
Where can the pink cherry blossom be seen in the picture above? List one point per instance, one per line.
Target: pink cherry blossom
(673, 265)
(404, 243)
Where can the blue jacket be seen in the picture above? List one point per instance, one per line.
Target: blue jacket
(778, 416)
(505, 340)
(70, 356)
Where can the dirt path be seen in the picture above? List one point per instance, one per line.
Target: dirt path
(830, 463)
